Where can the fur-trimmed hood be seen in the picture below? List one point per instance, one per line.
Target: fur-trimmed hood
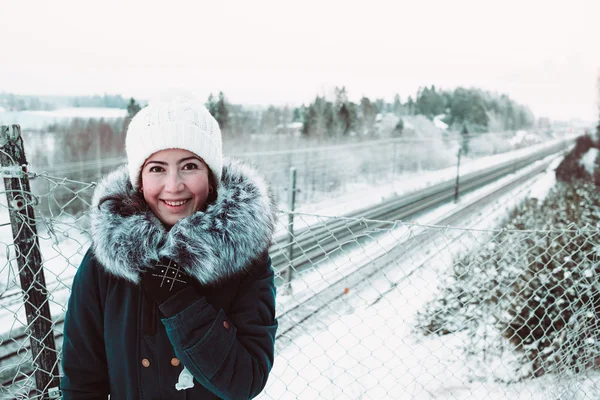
(212, 246)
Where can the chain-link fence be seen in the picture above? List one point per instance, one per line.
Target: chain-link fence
(367, 309)
(384, 309)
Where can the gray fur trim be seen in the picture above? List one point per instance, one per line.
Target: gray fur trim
(212, 246)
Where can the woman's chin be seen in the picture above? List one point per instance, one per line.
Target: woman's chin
(169, 220)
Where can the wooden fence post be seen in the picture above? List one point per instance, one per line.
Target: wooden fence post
(20, 203)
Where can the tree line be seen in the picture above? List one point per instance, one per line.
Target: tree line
(330, 116)
(468, 110)
(326, 117)
(14, 102)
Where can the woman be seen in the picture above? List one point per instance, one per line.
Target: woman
(175, 299)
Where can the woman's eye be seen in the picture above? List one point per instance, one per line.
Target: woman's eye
(190, 166)
(155, 169)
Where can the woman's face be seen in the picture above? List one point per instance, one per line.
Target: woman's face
(175, 184)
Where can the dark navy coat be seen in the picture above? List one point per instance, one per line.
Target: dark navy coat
(113, 345)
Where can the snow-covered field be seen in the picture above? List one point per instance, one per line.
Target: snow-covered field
(364, 345)
(62, 249)
(35, 120)
(362, 195)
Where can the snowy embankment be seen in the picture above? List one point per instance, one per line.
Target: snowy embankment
(588, 160)
(363, 345)
(313, 281)
(362, 196)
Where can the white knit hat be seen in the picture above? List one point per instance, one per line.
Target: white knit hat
(173, 124)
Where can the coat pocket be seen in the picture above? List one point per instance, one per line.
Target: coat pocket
(209, 354)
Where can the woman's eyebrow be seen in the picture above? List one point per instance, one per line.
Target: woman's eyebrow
(189, 158)
(178, 162)
(156, 162)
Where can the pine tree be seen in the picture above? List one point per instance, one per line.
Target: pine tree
(399, 128)
(219, 109)
(223, 112)
(297, 114)
(465, 140)
(369, 115)
(345, 114)
(397, 108)
(132, 108)
(211, 105)
(410, 105)
(345, 119)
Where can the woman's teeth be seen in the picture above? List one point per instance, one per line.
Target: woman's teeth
(175, 203)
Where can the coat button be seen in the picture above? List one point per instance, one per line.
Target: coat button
(226, 324)
(146, 362)
(175, 362)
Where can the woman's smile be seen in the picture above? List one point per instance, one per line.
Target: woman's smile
(175, 184)
(175, 203)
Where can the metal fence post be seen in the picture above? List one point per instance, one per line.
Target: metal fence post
(33, 283)
(394, 161)
(292, 205)
(457, 176)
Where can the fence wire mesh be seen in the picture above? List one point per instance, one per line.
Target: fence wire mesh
(369, 309)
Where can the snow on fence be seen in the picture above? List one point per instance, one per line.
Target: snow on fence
(367, 309)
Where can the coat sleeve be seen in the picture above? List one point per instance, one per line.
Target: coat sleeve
(85, 373)
(231, 355)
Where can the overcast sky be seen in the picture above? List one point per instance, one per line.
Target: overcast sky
(542, 53)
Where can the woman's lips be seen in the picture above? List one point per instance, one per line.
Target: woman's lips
(175, 204)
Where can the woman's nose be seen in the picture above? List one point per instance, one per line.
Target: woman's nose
(174, 183)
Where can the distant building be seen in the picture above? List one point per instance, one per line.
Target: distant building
(544, 123)
(437, 120)
(293, 128)
(523, 139)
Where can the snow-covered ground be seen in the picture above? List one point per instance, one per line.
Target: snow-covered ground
(589, 159)
(362, 195)
(35, 120)
(314, 280)
(364, 346)
(62, 250)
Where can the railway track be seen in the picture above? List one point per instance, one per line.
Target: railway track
(316, 242)
(320, 299)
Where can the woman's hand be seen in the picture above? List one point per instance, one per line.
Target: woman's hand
(164, 281)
